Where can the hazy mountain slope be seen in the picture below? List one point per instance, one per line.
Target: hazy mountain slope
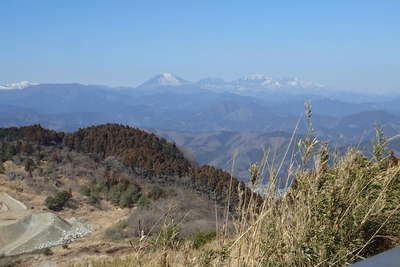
(218, 148)
(65, 98)
(232, 150)
(193, 110)
(361, 127)
(325, 107)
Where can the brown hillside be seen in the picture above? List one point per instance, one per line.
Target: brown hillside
(146, 154)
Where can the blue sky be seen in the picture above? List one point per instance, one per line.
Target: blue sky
(343, 44)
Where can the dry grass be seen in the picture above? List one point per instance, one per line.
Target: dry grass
(340, 210)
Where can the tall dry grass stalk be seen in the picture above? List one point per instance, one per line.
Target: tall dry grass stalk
(336, 212)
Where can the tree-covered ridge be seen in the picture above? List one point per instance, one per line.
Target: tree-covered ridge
(135, 148)
(222, 183)
(145, 153)
(34, 133)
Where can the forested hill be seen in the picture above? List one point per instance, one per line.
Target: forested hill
(136, 148)
(148, 155)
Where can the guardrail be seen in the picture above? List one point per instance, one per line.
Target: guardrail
(390, 258)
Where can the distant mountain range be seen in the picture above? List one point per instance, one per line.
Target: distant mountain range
(265, 87)
(253, 84)
(240, 113)
(251, 103)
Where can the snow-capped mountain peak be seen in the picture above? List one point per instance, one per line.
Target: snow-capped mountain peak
(255, 77)
(169, 79)
(261, 83)
(17, 85)
(256, 81)
(266, 81)
(296, 82)
(164, 79)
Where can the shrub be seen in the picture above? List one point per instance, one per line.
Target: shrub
(122, 194)
(99, 187)
(29, 165)
(156, 192)
(2, 169)
(143, 201)
(47, 252)
(193, 214)
(8, 151)
(58, 201)
(146, 220)
(93, 199)
(7, 261)
(201, 238)
(116, 232)
(115, 192)
(168, 236)
(130, 196)
(85, 190)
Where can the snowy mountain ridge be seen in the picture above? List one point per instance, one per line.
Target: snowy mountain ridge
(17, 85)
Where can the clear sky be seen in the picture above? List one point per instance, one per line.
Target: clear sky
(343, 44)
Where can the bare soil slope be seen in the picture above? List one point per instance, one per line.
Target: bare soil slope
(23, 232)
